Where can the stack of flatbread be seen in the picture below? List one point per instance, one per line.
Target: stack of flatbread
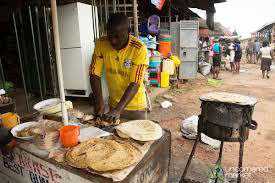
(103, 155)
(229, 98)
(141, 130)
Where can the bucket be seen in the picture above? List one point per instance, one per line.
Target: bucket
(164, 79)
(155, 58)
(154, 64)
(165, 38)
(165, 44)
(69, 135)
(154, 61)
(165, 48)
(9, 120)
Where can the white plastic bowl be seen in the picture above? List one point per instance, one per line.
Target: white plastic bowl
(22, 126)
(51, 106)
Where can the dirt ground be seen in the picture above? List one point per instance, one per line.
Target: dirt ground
(259, 151)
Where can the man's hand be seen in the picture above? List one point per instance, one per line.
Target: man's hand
(99, 110)
(112, 116)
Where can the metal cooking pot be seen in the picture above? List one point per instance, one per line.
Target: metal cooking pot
(226, 121)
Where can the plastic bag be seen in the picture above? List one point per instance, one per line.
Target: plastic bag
(204, 68)
(189, 130)
(189, 127)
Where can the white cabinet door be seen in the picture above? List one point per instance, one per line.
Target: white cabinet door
(73, 69)
(69, 31)
(85, 17)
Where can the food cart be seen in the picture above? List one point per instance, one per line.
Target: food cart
(26, 163)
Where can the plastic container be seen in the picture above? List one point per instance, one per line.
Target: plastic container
(153, 70)
(154, 61)
(164, 80)
(154, 81)
(165, 44)
(154, 64)
(69, 135)
(165, 48)
(165, 37)
(155, 58)
(168, 66)
(51, 106)
(9, 120)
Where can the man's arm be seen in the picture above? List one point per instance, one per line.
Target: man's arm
(95, 78)
(95, 82)
(128, 95)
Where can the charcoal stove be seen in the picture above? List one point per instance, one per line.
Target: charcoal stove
(226, 117)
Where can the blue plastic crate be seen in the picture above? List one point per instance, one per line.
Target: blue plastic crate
(154, 64)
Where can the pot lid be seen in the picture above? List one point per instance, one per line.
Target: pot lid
(232, 98)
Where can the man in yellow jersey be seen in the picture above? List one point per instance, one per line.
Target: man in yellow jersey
(124, 60)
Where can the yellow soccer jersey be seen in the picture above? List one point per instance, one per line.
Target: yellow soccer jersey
(122, 68)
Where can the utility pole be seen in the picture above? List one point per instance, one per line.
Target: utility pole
(135, 17)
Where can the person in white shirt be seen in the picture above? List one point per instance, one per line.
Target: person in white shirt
(266, 59)
(232, 57)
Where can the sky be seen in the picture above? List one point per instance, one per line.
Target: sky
(246, 16)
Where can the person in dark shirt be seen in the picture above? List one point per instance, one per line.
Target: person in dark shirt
(217, 50)
(256, 51)
(238, 55)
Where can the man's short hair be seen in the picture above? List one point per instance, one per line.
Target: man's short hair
(117, 19)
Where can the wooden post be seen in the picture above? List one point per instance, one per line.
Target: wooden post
(58, 62)
(135, 17)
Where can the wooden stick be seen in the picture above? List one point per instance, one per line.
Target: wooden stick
(135, 17)
(58, 62)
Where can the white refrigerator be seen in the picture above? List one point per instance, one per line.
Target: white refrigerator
(78, 30)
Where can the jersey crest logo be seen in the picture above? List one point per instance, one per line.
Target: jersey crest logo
(127, 63)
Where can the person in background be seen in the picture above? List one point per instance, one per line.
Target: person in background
(256, 51)
(249, 52)
(238, 56)
(227, 56)
(124, 59)
(266, 59)
(217, 51)
(232, 57)
(205, 48)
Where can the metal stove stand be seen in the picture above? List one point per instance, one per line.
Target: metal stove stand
(240, 164)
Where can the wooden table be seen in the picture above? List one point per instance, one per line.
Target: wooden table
(21, 166)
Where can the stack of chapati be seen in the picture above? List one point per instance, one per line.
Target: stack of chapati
(232, 98)
(141, 130)
(103, 155)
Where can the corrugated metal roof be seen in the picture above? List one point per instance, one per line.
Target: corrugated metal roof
(266, 25)
(201, 4)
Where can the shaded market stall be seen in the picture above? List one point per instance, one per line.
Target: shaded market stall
(32, 164)
(37, 78)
